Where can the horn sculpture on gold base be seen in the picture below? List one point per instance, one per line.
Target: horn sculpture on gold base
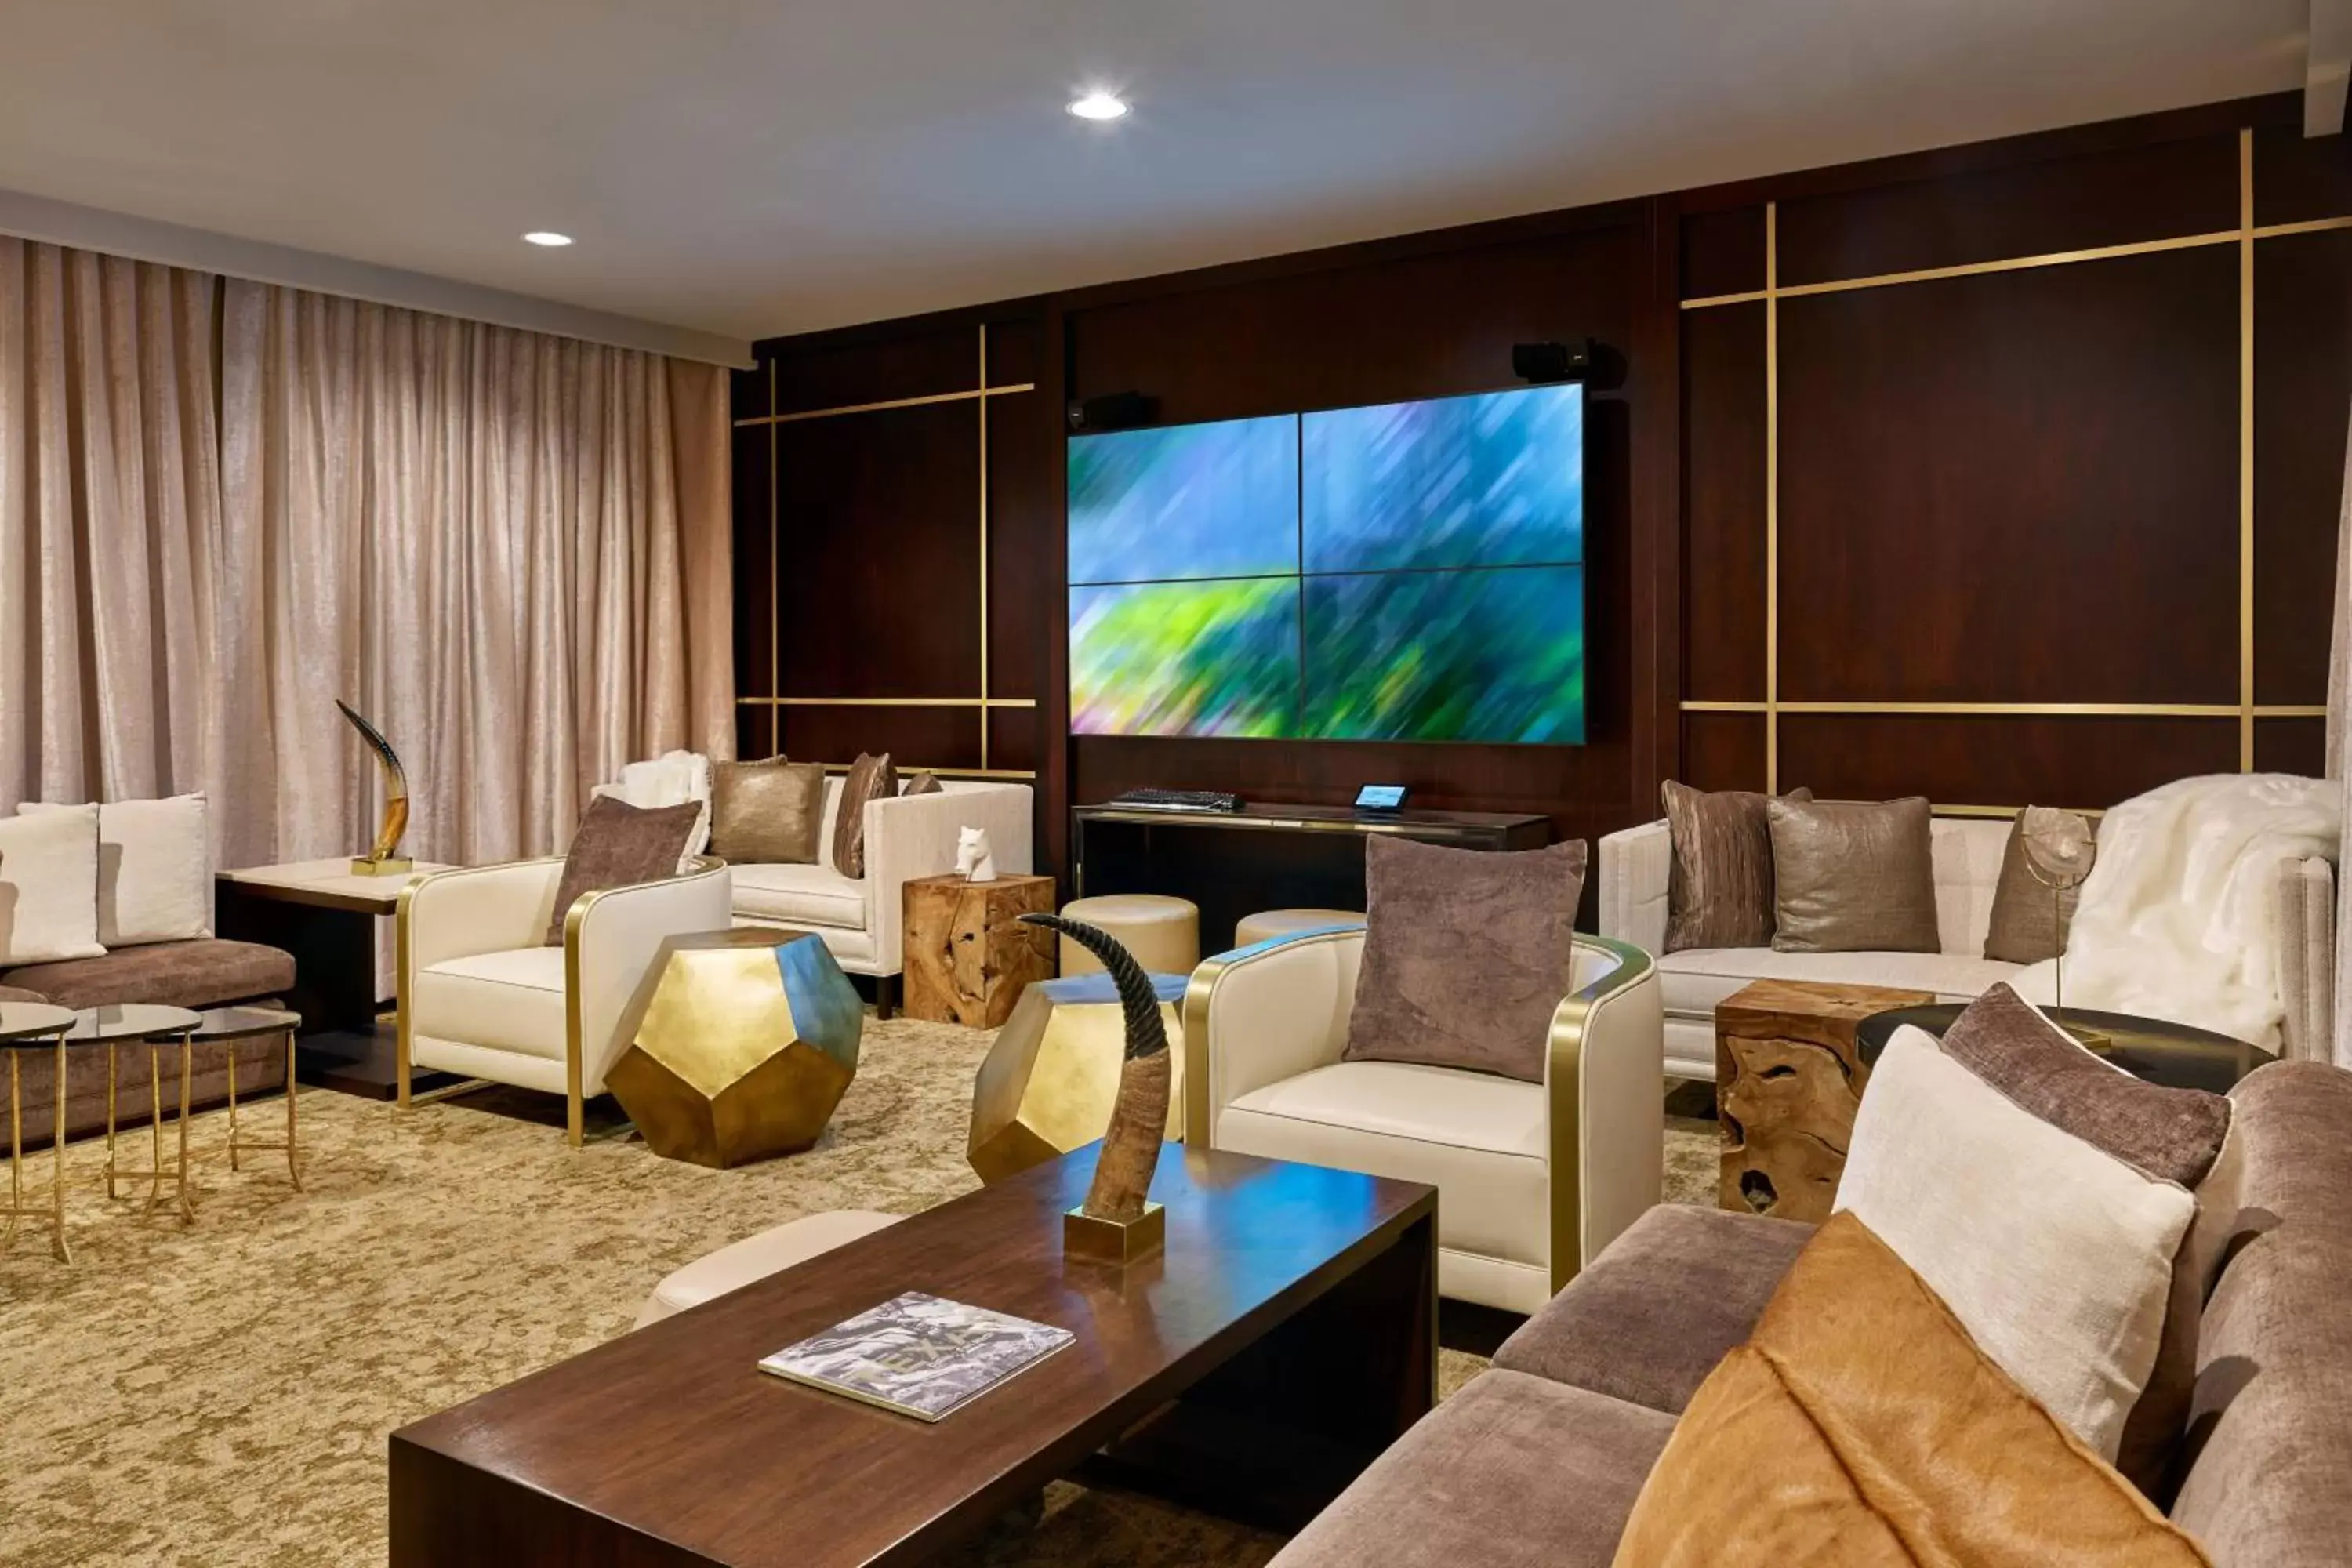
(381, 861)
(1118, 1223)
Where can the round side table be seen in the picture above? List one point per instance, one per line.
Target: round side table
(137, 1023)
(228, 1026)
(35, 1027)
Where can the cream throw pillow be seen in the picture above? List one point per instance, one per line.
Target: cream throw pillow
(154, 870)
(2055, 1256)
(48, 886)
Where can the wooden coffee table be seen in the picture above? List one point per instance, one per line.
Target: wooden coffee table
(1286, 1336)
(1788, 1079)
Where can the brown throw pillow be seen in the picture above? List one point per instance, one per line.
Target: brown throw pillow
(870, 778)
(619, 845)
(2028, 923)
(1852, 877)
(767, 813)
(1467, 953)
(1861, 1426)
(1719, 892)
(2169, 1134)
(925, 783)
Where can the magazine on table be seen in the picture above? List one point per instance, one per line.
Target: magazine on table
(917, 1354)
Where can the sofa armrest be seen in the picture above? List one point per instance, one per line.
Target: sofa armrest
(1636, 864)
(474, 909)
(912, 836)
(2304, 910)
(1605, 1121)
(1262, 1013)
(610, 940)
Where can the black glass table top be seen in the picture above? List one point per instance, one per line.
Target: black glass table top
(31, 1024)
(132, 1021)
(2178, 1056)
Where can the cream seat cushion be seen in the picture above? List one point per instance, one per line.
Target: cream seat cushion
(1162, 931)
(756, 1257)
(806, 895)
(1477, 1137)
(511, 1001)
(1692, 982)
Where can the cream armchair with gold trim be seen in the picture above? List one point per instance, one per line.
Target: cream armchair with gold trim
(1533, 1179)
(482, 996)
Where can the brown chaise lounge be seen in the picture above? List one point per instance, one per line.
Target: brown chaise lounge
(1538, 1460)
(204, 974)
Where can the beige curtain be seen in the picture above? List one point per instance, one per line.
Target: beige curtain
(223, 505)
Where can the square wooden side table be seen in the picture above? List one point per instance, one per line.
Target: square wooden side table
(1786, 1082)
(967, 956)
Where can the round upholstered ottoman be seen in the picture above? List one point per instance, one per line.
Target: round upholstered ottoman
(756, 1257)
(1282, 923)
(1163, 933)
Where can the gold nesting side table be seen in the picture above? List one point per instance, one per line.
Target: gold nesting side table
(154, 1026)
(227, 1027)
(34, 1026)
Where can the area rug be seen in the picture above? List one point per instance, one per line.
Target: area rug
(219, 1395)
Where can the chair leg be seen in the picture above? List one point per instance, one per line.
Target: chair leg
(886, 996)
(574, 1120)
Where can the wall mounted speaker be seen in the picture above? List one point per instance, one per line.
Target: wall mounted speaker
(1570, 361)
(1112, 411)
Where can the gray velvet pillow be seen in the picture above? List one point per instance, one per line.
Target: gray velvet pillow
(620, 846)
(871, 778)
(1852, 877)
(2026, 926)
(924, 782)
(1719, 893)
(767, 813)
(1467, 953)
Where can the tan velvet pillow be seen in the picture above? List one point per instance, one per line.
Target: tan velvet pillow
(1853, 875)
(1719, 892)
(870, 778)
(924, 782)
(620, 846)
(2027, 925)
(1467, 953)
(1861, 1427)
(767, 813)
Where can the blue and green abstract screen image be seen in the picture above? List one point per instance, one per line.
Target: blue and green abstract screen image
(1410, 572)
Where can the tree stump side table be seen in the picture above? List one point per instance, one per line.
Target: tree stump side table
(967, 958)
(1786, 1082)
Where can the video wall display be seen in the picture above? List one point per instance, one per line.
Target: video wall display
(1407, 572)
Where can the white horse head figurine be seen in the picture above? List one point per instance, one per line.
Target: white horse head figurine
(974, 863)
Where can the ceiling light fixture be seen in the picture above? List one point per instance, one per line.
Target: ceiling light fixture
(547, 237)
(1099, 105)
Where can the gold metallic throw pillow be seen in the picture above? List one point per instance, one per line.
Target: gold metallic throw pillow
(767, 813)
(1852, 877)
(1720, 891)
(2029, 919)
(870, 778)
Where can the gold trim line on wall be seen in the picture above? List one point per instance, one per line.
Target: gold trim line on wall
(886, 702)
(1771, 497)
(798, 415)
(979, 406)
(2018, 710)
(2246, 450)
(911, 768)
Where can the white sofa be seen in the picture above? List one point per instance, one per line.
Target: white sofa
(482, 996)
(1635, 865)
(1534, 1178)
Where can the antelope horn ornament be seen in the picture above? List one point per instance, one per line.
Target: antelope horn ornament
(1138, 1119)
(396, 797)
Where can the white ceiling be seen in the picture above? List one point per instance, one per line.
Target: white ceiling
(751, 167)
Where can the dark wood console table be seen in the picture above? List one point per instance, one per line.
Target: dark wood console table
(1265, 857)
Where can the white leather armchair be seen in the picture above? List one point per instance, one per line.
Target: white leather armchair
(480, 994)
(1534, 1179)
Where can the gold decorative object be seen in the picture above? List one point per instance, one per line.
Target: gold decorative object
(380, 861)
(1051, 1080)
(1139, 1117)
(744, 1045)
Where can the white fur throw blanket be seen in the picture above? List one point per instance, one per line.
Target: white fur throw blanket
(2175, 922)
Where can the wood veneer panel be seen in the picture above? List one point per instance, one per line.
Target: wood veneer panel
(747, 390)
(2003, 761)
(2014, 486)
(752, 567)
(1025, 524)
(835, 375)
(753, 738)
(1723, 252)
(2298, 178)
(1723, 503)
(2303, 383)
(880, 571)
(2118, 197)
(2290, 746)
(1013, 735)
(1723, 750)
(1015, 352)
(915, 737)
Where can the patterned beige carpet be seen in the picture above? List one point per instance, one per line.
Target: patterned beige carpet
(219, 1397)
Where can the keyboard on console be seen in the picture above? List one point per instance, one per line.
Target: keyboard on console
(1206, 802)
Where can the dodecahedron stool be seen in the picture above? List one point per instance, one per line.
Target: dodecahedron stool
(1048, 1083)
(744, 1045)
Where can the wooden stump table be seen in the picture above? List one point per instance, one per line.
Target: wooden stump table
(1786, 1082)
(968, 957)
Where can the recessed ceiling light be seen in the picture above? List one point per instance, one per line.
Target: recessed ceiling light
(1099, 105)
(547, 237)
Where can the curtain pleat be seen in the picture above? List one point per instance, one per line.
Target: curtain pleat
(224, 505)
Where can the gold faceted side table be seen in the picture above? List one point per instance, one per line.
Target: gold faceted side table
(1048, 1083)
(743, 1046)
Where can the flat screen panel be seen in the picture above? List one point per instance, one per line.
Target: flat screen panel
(1446, 655)
(1494, 479)
(1190, 500)
(1185, 658)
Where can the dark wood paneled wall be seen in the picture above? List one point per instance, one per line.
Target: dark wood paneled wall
(1983, 533)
